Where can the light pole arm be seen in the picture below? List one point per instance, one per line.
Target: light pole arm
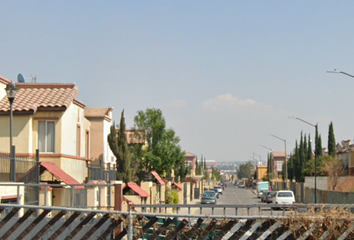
(335, 71)
(304, 121)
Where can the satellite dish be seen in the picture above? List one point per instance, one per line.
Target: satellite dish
(20, 78)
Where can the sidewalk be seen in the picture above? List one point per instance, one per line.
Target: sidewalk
(184, 210)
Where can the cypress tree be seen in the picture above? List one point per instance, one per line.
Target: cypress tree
(268, 164)
(120, 149)
(331, 141)
(301, 159)
(305, 149)
(291, 168)
(296, 163)
(309, 149)
(124, 151)
(196, 166)
(319, 145)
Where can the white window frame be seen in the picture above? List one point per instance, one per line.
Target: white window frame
(280, 164)
(45, 136)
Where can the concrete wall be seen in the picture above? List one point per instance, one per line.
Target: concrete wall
(75, 167)
(108, 155)
(73, 117)
(322, 182)
(22, 134)
(146, 186)
(12, 191)
(135, 199)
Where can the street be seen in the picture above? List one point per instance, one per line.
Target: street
(233, 195)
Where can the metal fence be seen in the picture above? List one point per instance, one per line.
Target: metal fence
(70, 223)
(88, 196)
(27, 168)
(103, 171)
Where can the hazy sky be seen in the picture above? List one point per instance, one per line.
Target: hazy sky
(225, 74)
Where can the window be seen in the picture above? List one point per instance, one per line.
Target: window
(46, 136)
(78, 140)
(285, 194)
(279, 166)
(87, 142)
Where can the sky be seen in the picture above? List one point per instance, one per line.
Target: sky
(225, 74)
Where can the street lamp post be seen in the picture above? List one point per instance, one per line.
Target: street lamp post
(316, 129)
(286, 161)
(11, 91)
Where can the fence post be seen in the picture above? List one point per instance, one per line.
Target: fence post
(38, 175)
(101, 171)
(130, 224)
(13, 164)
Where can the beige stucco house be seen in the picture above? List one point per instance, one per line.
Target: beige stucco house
(190, 159)
(101, 121)
(47, 117)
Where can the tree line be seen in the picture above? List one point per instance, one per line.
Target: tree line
(302, 161)
(156, 147)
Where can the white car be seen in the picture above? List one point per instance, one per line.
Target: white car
(284, 197)
(219, 188)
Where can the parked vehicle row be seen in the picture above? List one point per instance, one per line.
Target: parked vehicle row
(211, 196)
(278, 197)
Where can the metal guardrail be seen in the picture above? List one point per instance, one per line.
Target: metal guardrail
(74, 223)
(234, 210)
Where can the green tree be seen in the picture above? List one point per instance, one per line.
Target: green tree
(331, 141)
(318, 144)
(309, 149)
(216, 175)
(196, 166)
(245, 170)
(291, 167)
(163, 152)
(119, 146)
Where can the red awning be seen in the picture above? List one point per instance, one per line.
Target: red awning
(158, 178)
(177, 185)
(133, 186)
(59, 173)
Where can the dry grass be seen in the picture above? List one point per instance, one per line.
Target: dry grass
(334, 220)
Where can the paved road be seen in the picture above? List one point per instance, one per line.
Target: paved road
(233, 195)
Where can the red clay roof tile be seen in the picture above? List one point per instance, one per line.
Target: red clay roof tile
(59, 173)
(32, 96)
(133, 186)
(158, 178)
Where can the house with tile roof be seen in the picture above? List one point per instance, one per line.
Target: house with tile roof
(101, 121)
(48, 117)
(190, 159)
(278, 161)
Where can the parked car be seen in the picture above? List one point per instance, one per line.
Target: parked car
(261, 192)
(216, 191)
(284, 198)
(264, 195)
(219, 188)
(209, 197)
(269, 197)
